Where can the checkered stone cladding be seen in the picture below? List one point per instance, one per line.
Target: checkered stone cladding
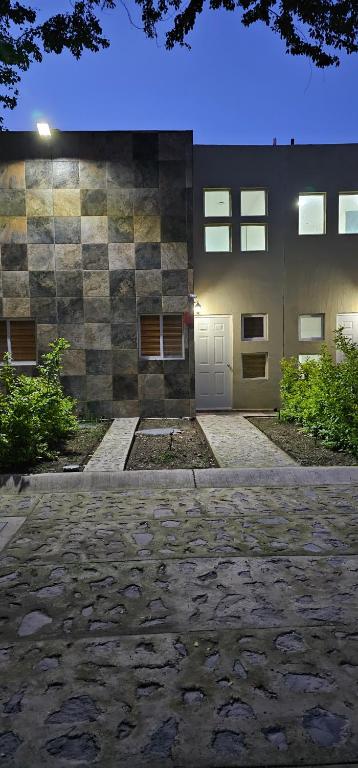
(91, 238)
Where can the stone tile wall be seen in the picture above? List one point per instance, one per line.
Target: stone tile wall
(95, 230)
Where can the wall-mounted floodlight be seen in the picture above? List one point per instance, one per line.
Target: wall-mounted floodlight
(43, 129)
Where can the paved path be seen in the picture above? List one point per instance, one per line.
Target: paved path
(235, 442)
(166, 628)
(112, 452)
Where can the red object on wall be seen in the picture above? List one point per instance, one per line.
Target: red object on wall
(188, 318)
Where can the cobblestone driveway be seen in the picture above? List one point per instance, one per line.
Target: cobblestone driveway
(215, 627)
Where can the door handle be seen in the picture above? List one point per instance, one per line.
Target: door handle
(229, 366)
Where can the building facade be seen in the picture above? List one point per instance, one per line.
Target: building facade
(275, 263)
(106, 237)
(96, 247)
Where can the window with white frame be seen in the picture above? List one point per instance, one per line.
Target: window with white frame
(307, 358)
(312, 214)
(161, 336)
(311, 327)
(217, 202)
(348, 214)
(253, 237)
(254, 366)
(18, 338)
(253, 202)
(218, 238)
(253, 327)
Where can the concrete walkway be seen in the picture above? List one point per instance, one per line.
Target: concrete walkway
(112, 452)
(235, 442)
(168, 628)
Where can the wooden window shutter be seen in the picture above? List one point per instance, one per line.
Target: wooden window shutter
(3, 339)
(23, 340)
(173, 336)
(150, 335)
(254, 327)
(254, 366)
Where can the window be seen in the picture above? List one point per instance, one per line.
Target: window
(161, 336)
(253, 202)
(218, 238)
(254, 366)
(253, 327)
(348, 214)
(305, 358)
(18, 337)
(311, 327)
(253, 237)
(312, 214)
(217, 202)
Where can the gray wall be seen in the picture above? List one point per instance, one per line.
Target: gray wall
(95, 230)
(298, 274)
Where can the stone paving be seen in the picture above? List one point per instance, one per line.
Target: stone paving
(202, 628)
(235, 442)
(112, 452)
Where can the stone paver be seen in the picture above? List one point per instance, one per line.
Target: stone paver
(111, 454)
(235, 442)
(167, 628)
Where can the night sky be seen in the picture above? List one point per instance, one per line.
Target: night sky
(235, 86)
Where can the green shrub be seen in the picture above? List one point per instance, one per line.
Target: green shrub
(322, 395)
(35, 415)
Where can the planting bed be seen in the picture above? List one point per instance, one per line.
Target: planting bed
(303, 448)
(188, 449)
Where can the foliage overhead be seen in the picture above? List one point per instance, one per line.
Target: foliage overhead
(320, 29)
(24, 39)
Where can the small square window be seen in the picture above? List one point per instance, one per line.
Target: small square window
(218, 238)
(18, 338)
(306, 358)
(348, 214)
(217, 202)
(254, 366)
(311, 327)
(312, 214)
(253, 327)
(253, 237)
(161, 336)
(253, 202)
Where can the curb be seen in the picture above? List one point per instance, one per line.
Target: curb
(72, 482)
(52, 482)
(275, 476)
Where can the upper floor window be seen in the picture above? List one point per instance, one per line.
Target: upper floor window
(161, 336)
(18, 338)
(312, 214)
(253, 202)
(218, 238)
(307, 358)
(253, 327)
(217, 202)
(311, 327)
(348, 214)
(253, 237)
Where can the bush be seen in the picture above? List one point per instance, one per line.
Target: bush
(322, 395)
(35, 415)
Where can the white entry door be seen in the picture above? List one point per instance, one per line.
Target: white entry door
(213, 362)
(349, 321)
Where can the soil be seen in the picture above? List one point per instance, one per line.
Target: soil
(186, 450)
(76, 450)
(303, 448)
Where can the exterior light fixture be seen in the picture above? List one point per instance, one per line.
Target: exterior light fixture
(197, 307)
(44, 129)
